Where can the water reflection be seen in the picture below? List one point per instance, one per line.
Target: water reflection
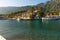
(44, 31)
(30, 30)
(34, 30)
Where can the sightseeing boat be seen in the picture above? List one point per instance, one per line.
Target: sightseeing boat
(51, 18)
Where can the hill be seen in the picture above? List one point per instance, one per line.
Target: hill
(49, 5)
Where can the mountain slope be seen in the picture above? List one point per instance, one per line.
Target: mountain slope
(6, 10)
(50, 5)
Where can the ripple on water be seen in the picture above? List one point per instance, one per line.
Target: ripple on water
(30, 30)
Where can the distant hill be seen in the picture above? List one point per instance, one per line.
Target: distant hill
(50, 5)
(6, 10)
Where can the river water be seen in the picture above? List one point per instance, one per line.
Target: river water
(30, 30)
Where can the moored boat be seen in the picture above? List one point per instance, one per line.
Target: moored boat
(50, 18)
(2, 38)
(18, 19)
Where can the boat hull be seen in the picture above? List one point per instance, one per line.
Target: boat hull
(50, 18)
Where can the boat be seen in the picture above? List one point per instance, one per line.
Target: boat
(18, 19)
(50, 18)
(2, 38)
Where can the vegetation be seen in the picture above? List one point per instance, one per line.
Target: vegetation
(31, 9)
(42, 9)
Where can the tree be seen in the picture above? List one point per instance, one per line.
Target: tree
(40, 12)
(31, 10)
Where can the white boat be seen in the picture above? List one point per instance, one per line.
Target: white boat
(50, 18)
(2, 38)
(18, 19)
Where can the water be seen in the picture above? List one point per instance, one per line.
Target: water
(30, 30)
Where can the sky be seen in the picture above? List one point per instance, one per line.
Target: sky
(20, 3)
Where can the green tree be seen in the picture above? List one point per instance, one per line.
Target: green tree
(40, 11)
(32, 9)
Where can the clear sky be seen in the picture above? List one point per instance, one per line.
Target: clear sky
(20, 2)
